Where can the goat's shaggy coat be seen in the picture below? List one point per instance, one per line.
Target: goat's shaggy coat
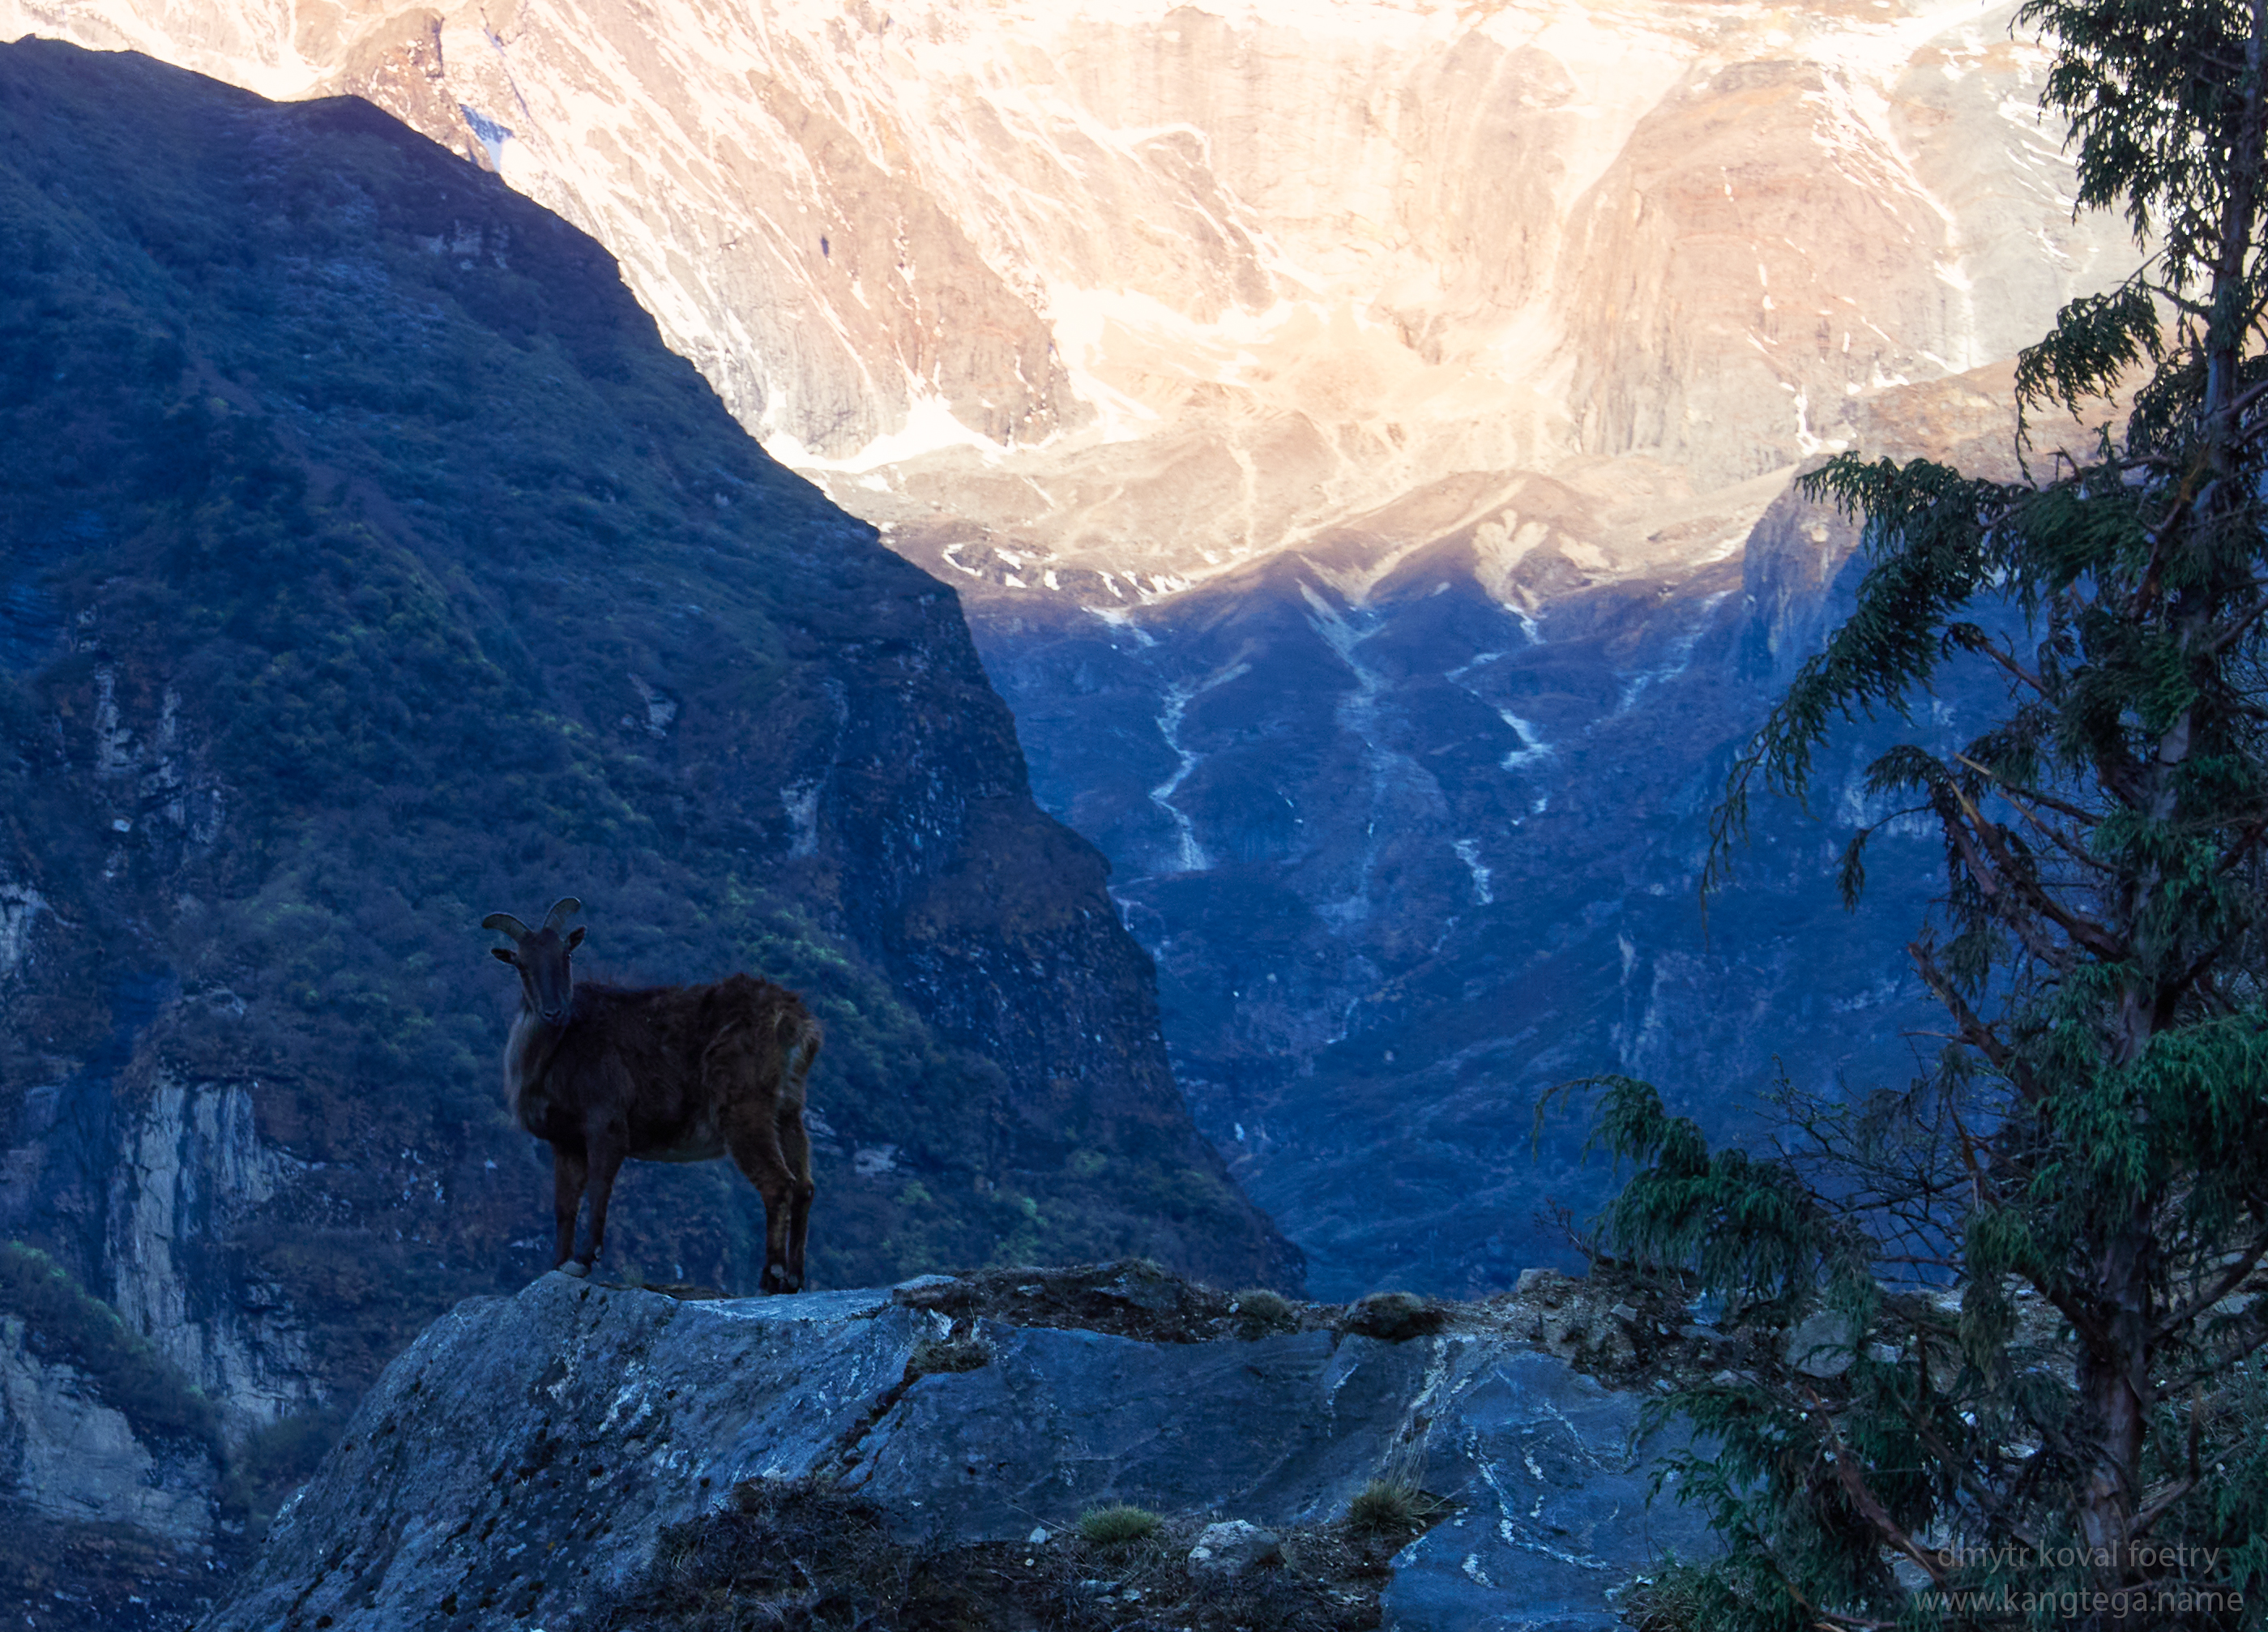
(661, 1074)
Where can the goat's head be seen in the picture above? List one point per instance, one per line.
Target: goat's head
(547, 982)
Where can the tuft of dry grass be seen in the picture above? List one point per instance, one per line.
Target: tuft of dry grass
(1260, 1313)
(1117, 1525)
(1669, 1602)
(947, 1354)
(1386, 1507)
(1396, 1506)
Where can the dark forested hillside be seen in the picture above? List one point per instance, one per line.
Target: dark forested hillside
(367, 565)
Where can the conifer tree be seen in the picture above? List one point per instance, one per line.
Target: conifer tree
(2018, 1379)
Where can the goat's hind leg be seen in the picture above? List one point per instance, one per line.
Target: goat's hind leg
(795, 1147)
(568, 1170)
(740, 1075)
(756, 1149)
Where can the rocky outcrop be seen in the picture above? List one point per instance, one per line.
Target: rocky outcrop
(20, 906)
(67, 1455)
(192, 1175)
(115, 1515)
(522, 1459)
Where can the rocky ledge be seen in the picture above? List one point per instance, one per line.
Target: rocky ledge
(565, 1456)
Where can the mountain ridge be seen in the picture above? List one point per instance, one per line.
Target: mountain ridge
(1154, 289)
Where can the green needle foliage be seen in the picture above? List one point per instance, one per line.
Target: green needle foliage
(2020, 1382)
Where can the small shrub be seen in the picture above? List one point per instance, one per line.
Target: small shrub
(772, 1548)
(1393, 1507)
(1256, 1306)
(1383, 1508)
(276, 1460)
(1677, 1599)
(1112, 1525)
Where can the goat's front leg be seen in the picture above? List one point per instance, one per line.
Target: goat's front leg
(606, 1151)
(567, 1173)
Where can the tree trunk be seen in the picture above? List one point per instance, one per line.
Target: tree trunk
(2111, 1378)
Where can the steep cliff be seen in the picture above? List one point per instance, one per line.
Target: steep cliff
(369, 566)
(114, 1512)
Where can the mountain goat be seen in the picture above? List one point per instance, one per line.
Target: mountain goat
(662, 1074)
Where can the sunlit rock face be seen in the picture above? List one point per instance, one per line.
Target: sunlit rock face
(1153, 289)
(1361, 436)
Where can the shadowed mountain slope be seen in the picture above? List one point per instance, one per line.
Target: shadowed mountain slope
(367, 565)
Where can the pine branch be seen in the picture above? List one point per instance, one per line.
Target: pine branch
(2196, 1306)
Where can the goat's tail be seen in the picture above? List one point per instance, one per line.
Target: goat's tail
(799, 1037)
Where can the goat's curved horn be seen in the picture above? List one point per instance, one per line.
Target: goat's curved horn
(561, 910)
(505, 923)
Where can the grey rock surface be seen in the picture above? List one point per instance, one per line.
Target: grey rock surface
(1233, 1547)
(1555, 1495)
(1284, 1430)
(1820, 1345)
(67, 1455)
(528, 1451)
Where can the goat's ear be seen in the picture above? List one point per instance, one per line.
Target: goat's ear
(574, 937)
(502, 954)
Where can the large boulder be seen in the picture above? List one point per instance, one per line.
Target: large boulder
(526, 1455)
